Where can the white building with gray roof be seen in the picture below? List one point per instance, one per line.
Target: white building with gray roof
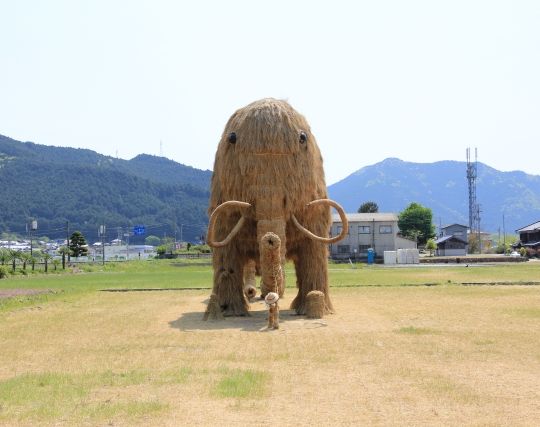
(378, 231)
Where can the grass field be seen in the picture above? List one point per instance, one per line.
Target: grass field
(395, 352)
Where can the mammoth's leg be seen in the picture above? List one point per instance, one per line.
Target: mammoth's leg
(228, 281)
(310, 262)
(250, 282)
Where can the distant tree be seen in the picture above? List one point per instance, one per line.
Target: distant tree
(5, 256)
(63, 250)
(25, 257)
(431, 246)
(368, 207)
(416, 222)
(152, 240)
(46, 259)
(78, 245)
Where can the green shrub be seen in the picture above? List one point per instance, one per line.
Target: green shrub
(3, 271)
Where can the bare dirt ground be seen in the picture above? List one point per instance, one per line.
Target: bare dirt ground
(10, 293)
(389, 356)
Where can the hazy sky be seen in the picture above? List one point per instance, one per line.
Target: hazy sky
(418, 80)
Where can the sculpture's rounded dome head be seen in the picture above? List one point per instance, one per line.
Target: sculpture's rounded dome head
(267, 127)
(268, 143)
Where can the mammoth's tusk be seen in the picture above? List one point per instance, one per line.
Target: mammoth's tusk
(235, 230)
(344, 221)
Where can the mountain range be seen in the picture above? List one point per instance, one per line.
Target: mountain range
(442, 186)
(57, 185)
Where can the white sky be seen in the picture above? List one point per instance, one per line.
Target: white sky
(418, 80)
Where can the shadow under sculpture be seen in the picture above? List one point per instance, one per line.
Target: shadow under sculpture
(268, 190)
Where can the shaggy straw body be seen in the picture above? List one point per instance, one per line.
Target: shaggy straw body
(250, 281)
(213, 310)
(268, 162)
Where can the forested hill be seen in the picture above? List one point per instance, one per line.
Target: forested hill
(55, 185)
(442, 186)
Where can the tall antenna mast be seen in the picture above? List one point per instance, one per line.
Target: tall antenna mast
(474, 207)
(160, 148)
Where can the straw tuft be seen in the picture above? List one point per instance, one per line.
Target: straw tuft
(213, 310)
(315, 305)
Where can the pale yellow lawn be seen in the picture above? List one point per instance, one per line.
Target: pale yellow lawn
(447, 355)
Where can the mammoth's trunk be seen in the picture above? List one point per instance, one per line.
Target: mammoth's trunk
(270, 216)
(271, 275)
(272, 263)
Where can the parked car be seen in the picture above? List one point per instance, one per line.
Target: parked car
(515, 254)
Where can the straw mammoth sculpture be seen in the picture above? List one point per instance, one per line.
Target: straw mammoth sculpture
(269, 203)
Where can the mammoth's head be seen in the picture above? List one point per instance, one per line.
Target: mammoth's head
(268, 127)
(268, 143)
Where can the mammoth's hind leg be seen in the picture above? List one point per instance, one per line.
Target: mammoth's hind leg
(310, 262)
(229, 281)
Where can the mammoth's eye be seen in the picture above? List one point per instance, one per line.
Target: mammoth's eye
(303, 137)
(232, 137)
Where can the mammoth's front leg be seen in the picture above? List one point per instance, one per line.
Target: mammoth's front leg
(228, 281)
(310, 263)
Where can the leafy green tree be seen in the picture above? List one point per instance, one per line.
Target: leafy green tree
(78, 245)
(431, 246)
(416, 222)
(46, 259)
(63, 250)
(368, 207)
(15, 255)
(152, 241)
(5, 256)
(161, 250)
(25, 257)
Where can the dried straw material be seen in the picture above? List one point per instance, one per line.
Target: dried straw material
(213, 310)
(273, 310)
(268, 168)
(271, 264)
(315, 306)
(250, 281)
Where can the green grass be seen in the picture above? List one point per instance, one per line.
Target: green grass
(52, 395)
(69, 396)
(198, 274)
(242, 384)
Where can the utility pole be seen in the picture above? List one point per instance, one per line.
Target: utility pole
(504, 235)
(33, 227)
(474, 207)
(67, 240)
(102, 235)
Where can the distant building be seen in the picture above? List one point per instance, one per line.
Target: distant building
(451, 246)
(529, 236)
(458, 230)
(368, 230)
(121, 252)
(452, 240)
